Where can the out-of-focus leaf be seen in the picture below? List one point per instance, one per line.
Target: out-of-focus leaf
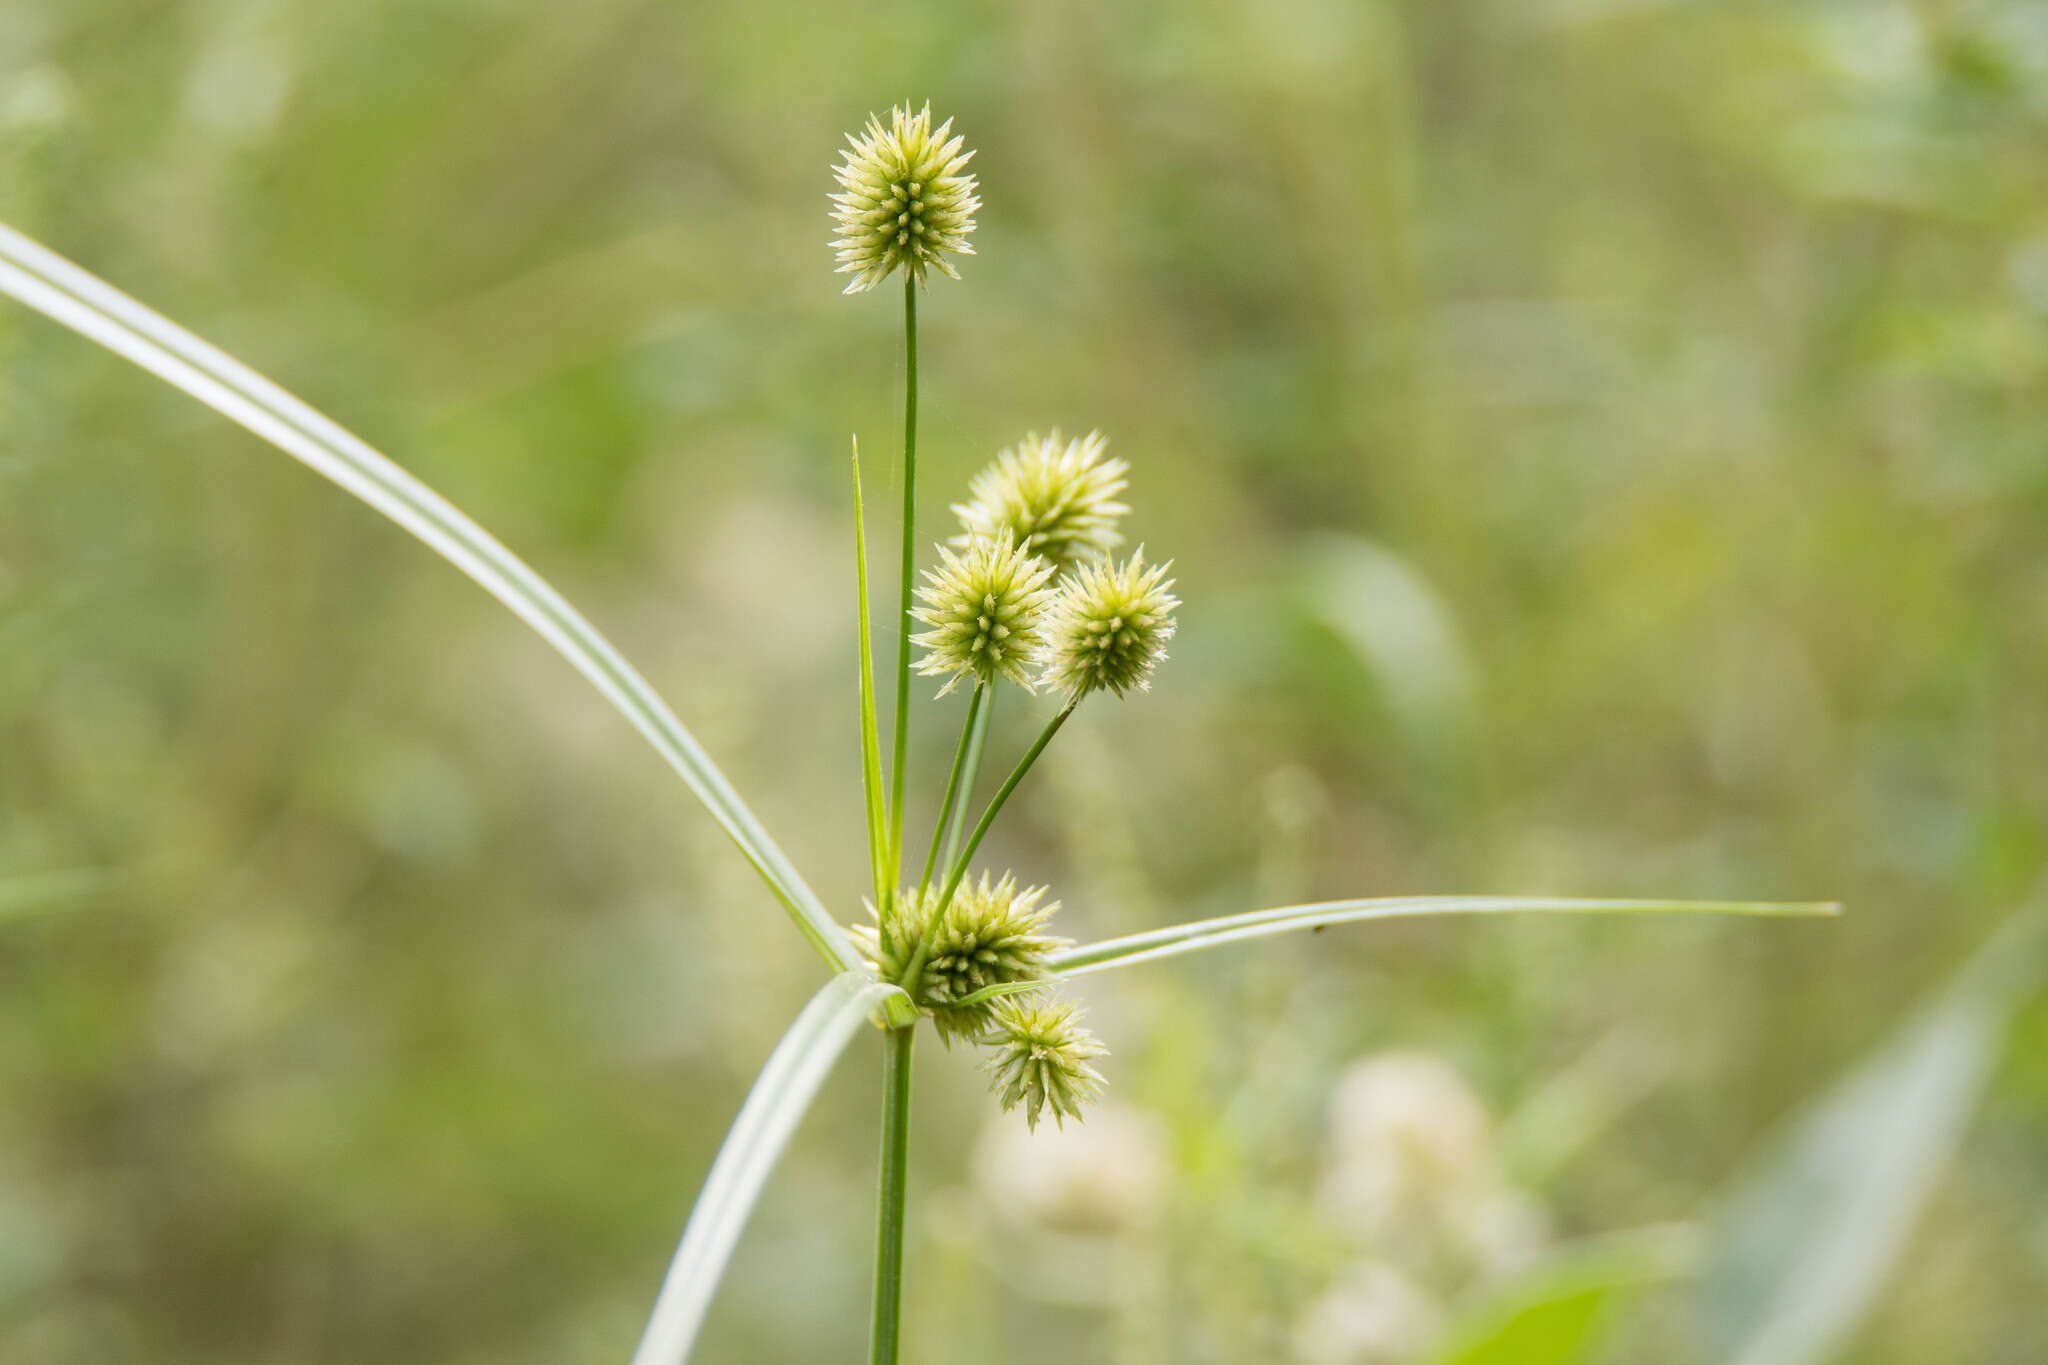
(43, 892)
(1808, 1237)
(1568, 1112)
(1552, 1315)
(1403, 634)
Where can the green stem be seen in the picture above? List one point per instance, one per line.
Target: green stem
(870, 745)
(889, 1214)
(974, 748)
(975, 707)
(988, 817)
(909, 567)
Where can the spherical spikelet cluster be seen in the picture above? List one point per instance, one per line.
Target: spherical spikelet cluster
(905, 199)
(1108, 627)
(985, 607)
(991, 935)
(1042, 1060)
(1059, 501)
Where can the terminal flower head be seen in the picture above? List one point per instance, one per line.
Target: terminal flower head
(905, 199)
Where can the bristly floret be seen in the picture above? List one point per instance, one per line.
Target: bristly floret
(1042, 1060)
(1059, 501)
(905, 199)
(1109, 626)
(991, 935)
(985, 608)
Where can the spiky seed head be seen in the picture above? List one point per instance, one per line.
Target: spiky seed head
(985, 606)
(905, 199)
(991, 935)
(1109, 625)
(1042, 1060)
(1058, 499)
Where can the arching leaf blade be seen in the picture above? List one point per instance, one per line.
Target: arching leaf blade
(780, 1098)
(1286, 919)
(96, 310)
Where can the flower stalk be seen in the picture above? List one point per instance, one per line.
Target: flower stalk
(955, 801)
(903, 617)
(976, 742)
(988, 817)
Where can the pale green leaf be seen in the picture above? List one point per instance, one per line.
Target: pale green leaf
(55, 287)
(1214, 933)
(780, 1098)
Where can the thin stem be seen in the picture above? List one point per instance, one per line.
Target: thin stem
(975, 707)
(889, 1213)
(974, 750)
(870, 745)
(909, 566)
(988, 817)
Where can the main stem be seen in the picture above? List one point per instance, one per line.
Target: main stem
(909, 567)
(889, 1213)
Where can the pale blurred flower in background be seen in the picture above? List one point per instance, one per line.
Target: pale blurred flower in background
(1101, 1178)
(1374, 1314)
(1405, 1129)
(1415, 1176)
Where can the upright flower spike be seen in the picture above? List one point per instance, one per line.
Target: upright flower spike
(1109, 627)
(985, 607)
(905, 199)
(991, 935)
(1042, 1060)
(1059, 501)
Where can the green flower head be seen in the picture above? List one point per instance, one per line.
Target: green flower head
(985, 608)
(1109, 626)
(1059, 501)
(1042, 1060)
(991, 935)
(905, 199)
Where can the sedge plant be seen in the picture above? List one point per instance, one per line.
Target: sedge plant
(1027, 594)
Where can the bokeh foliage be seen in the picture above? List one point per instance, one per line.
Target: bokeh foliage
(1602, 449)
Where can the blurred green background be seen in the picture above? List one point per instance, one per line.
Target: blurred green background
(1603, 447)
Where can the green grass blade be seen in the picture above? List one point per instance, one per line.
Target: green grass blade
(870, 731)
(1214, 933)
(53, 286)
(781, 1096)
(41, 893)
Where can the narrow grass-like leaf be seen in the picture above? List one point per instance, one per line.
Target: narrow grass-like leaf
(55, 287)
(1214, 933)
(870, 732)
(1807, 1238)
(781, 1096)
(44, 892)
